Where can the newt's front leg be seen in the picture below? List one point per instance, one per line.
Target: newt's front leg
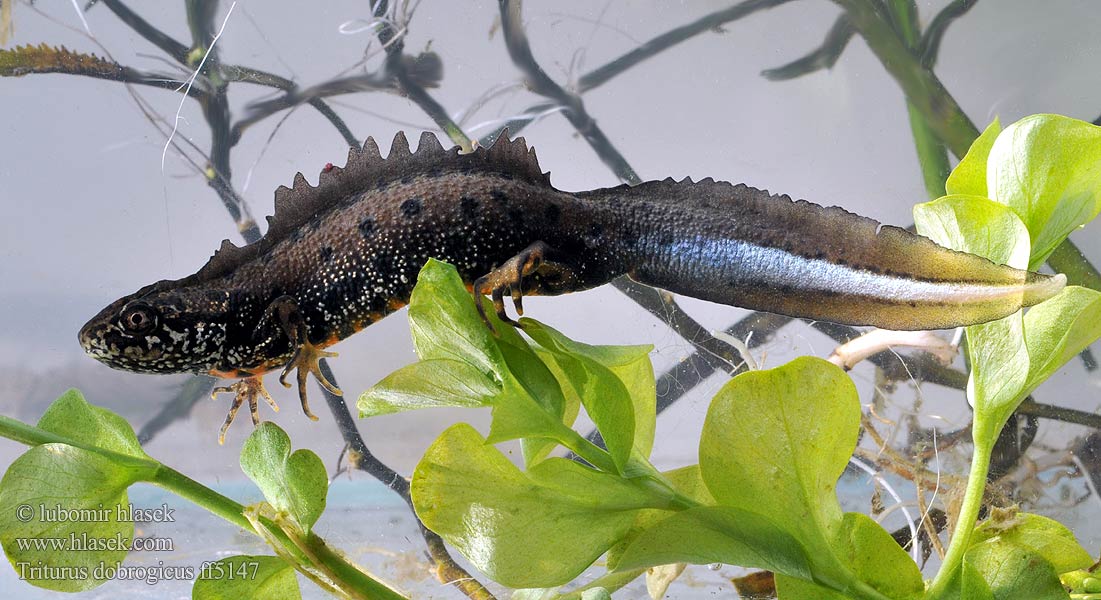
(249, 388)
(306, 356)
(304, 359)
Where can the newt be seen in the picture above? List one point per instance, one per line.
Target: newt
(345, 253)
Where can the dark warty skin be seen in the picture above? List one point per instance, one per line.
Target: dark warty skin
(343, 254)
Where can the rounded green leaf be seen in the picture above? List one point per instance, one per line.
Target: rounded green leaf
(429, 384)
(1045, 168)
(1014, 573)
(534, 530)
(999, 358)
(293, 483)
(1059, 329)
(776, 441)
(877, 559)
(604, 395)
(969, 177)
(57, 499)
(977, 225)
(445, 322)
(718, 534)
(246, 577)
(73, 417)
(1038, 534)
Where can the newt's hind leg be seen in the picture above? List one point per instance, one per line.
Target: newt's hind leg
(306, 356)
(535, 270)
(250, 389)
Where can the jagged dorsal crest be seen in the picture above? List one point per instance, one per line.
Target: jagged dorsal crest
(364, 170)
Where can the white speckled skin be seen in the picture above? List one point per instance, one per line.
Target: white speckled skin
(348, 251)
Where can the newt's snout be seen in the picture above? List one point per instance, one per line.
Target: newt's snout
(153, 334)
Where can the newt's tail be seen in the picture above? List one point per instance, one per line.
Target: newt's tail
(741, 246)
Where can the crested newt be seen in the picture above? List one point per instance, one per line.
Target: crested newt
(345, 253)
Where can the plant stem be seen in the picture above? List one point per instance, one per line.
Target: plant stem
(350, 576)
(969, 512)
(932, 155)
(1069, 260)
(200, 495)
(920, 85)
(587, 450)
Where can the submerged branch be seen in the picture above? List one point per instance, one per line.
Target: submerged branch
(42, 59)
(657, 45)
(537, 79)
(823, 57)
(929, 48)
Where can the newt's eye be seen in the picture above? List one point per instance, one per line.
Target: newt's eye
(138, 318)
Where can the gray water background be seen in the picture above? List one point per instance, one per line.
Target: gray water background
(88, 213)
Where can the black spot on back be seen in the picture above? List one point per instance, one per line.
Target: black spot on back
(411, 207)
(552, 212)
(596, 230)
(327, 253)
(407, 179)
(499, 195)
(367, 226)
(468, 206)
(516, 216)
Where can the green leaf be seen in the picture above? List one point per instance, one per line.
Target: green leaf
(794, 588)
(293, 483)
(245, 577)
(535, 449)
(73, 417)
(718, 534)
(977, 225)
(632, 366)
(873, 556)
(463, 364)
(688, 482)
(1059, 330)
(1045, 167)
(517, 415)
(1012, 357)
(1013, 573)
(524, 530)
(775, 443)
(877, 559)
(604, 394)
(445, 322)
(533, 375)
(1040, 535)
(49, 482)
(972, 585)
(429, 384)
(969, 177)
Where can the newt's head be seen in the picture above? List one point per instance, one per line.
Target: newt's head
(159, 331)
